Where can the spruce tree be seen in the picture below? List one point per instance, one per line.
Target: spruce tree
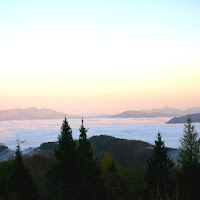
(21, 182)
(67, 147)
(63, 175)
(158, 170)
(89, 172)
(189, 155)
(189, 152)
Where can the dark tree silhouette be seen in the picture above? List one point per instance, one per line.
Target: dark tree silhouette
(189, 155)
(21, 182)
(158, 170)
(89, 172)
(63, 175)
(189, 152)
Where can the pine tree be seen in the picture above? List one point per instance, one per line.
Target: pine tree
(189, 152)
(21, 182)
(63, 175)
(67, 146)
(158, 170)
(89, 172)
(189, 155)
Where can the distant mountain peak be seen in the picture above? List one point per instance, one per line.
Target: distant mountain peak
(31, 108)
(157, 112)
(32, 113)
(138, 114)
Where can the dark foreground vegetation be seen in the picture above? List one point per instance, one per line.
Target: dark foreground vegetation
(72, 169)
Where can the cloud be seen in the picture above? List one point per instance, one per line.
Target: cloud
(36, 132)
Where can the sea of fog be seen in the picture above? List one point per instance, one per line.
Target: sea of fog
(34, 132)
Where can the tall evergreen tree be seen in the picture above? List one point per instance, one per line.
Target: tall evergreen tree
(158, 170)
(63, 175)
(67, 147)
(21, 182)
(89, 172)
(189, 155)
(189, 152)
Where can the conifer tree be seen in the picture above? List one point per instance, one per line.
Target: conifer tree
(67, 147)
(158, 170)
(189, 152)
(85, 153)
(21, 182)
(63, 175)
(89, 172)
(189, 155)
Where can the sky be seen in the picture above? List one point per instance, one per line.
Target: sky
(99, 57)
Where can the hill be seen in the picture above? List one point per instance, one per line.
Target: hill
(183, 119)
(31, 114)
(127, 153)
(191, 111)
(173, 111)
(166, 110)
(156, 112)
(138, 114)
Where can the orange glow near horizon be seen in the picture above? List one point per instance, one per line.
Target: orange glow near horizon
(106, 96)
(100, 77)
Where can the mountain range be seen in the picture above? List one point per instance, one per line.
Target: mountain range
(174, 112)
(138, 114)
(35, 113)
(162, 112)
(31, 114)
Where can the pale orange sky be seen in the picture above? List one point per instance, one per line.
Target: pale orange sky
(103, 91)
(103, 58)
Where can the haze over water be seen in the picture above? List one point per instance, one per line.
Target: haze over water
(34, 132)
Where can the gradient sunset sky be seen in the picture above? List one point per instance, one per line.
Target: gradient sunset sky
(87, 57)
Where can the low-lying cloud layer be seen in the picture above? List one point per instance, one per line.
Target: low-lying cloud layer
(34, 132)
